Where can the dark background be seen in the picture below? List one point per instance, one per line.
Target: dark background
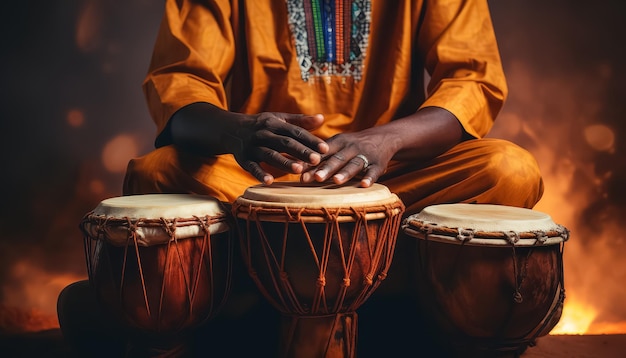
(72, 114)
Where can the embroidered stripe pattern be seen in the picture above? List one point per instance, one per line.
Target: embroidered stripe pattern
(330, 36)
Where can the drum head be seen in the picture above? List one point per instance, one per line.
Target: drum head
(485, 224)
(156, 206)
(295, 194)
(157, 218)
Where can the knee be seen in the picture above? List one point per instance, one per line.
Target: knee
(149, 173)
(513, 175)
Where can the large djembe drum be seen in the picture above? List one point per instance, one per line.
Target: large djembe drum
(161, 264)
(490, 277)
(317, 253)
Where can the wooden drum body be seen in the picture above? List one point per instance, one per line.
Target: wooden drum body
(317, 253)
(161, 264)
(490, 276)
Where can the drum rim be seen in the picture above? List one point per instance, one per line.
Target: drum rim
(150, 232)
(467, 236)
(251, 209)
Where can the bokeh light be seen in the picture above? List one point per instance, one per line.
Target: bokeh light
(118, 151)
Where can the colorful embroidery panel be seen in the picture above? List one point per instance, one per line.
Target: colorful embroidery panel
(331, 36)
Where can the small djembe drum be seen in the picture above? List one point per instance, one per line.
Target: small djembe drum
(317, 253)
(161, 264)
(489, 276)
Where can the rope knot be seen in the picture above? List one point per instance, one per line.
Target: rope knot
(564, 232)
(511, 237)
(331, 216)
(346, 282)
(321, 281)
(428, 228)
(169, 227)
(368, 279)
(465, 235)
(541, 237)
(132, 226)
(204, 224)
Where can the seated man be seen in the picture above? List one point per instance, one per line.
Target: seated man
(332, 91)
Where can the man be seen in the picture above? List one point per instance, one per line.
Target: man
(244, 92)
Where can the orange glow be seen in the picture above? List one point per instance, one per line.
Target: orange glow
(607, 328)
(593, 264)
(15, 320)
(75, 118)
(118, 151)
(576, 319)
(600, 137)
(29, 305)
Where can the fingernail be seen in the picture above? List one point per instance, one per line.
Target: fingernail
(297, 167)
(339, 177)
(366, 182)
(321, 174)
(315, 158)
(306, 177)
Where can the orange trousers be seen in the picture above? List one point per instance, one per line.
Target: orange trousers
(489, 170)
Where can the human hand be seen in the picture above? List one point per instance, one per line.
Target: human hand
(364, 154)
(281, 140)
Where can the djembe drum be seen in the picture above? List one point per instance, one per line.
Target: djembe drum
(317, 253)
(161, 264)
(490, 277)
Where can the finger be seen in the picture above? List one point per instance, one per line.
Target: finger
(351, 169)
(257, 171)
(297, 126)
(280, 161)
(308, 122)
(289, 145)
(371, 175)
(330, 166)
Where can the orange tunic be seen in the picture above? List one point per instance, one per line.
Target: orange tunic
(243, 56)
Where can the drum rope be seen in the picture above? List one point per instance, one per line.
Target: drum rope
(132, 230)
(512, 238)
(558, 301)
(205, 249)
(465, 233)
(331, 218)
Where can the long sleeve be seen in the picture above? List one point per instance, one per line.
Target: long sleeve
(185, 65)
(461, 55)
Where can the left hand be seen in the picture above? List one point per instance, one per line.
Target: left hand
(364, 154)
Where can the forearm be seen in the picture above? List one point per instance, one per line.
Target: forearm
(208, 130)
(425, 134)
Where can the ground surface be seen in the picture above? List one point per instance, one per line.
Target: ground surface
(51, 344)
